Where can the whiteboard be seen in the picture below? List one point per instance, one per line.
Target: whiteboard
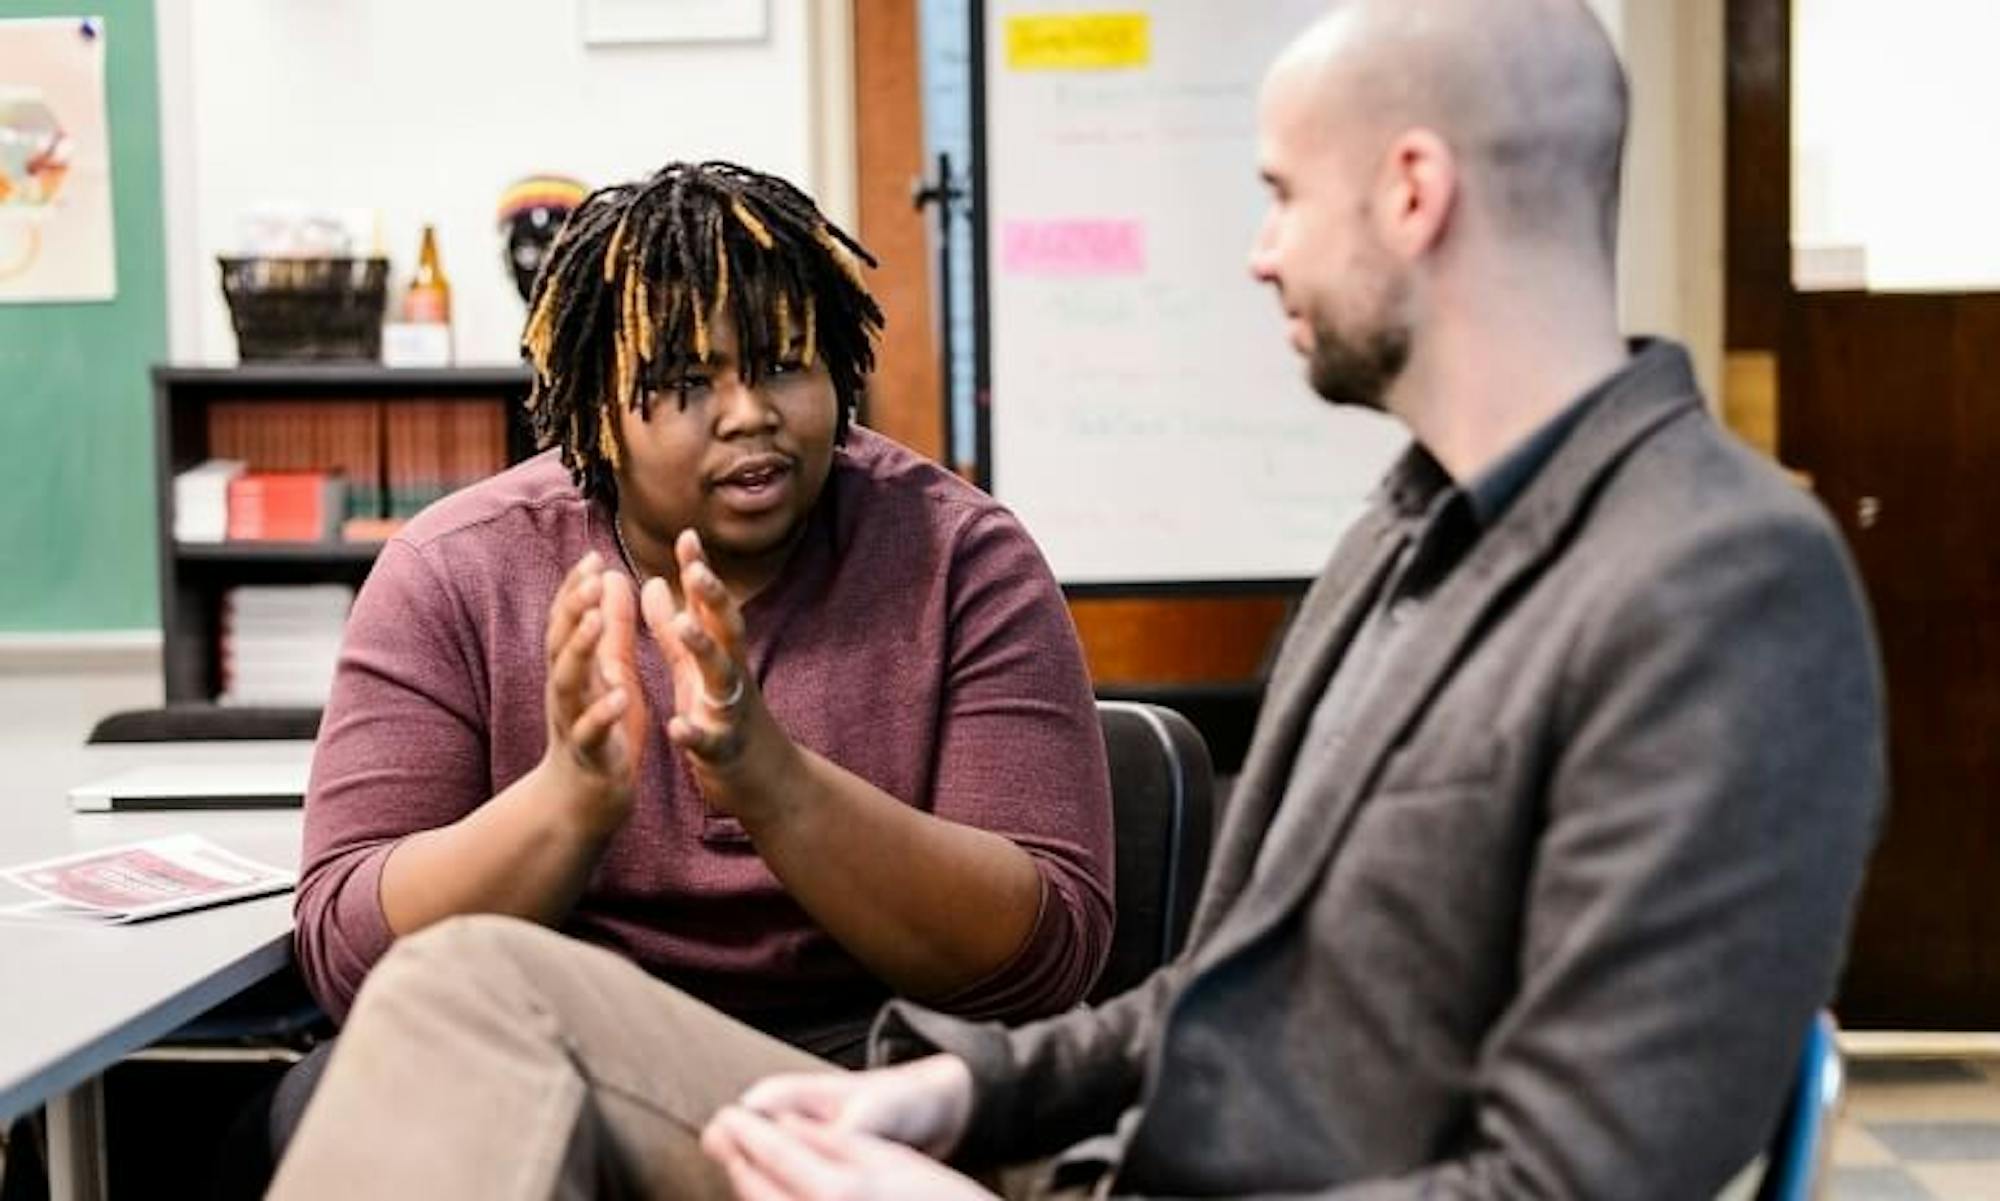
(1148, 419)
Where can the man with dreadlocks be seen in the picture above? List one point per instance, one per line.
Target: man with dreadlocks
(840, 747)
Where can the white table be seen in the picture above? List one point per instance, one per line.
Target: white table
(76, 999)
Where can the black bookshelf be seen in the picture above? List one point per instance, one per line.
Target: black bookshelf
(316, 554)
(195, 576)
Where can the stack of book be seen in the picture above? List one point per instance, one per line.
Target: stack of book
(436, 447)
(201, 500)
(338, 437)
(395, 457)
(280, 642)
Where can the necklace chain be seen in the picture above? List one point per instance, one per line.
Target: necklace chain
(618, 532)
(735, 696)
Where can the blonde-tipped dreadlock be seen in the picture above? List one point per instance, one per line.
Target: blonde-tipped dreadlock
(632, 288)
(755, 227)
(838, 252)
(611, 251)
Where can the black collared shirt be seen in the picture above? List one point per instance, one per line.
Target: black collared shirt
(1438, 522)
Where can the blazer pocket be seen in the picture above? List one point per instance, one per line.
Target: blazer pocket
(1430, 764)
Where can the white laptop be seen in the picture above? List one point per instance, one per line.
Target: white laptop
(196, 786)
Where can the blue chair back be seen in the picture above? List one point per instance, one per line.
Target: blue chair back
(1796, 1165)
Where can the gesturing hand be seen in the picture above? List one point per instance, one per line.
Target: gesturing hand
(596, 712)
(719, 721)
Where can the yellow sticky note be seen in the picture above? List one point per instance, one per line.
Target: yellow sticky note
(1079, 41)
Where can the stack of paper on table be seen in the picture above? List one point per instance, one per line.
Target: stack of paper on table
(141, 880)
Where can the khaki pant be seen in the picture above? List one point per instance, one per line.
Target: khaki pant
(489, 1057)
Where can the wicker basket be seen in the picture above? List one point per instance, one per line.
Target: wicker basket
(306, 308)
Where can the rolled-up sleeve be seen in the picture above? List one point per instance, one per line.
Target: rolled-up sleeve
(1021, 753)
(401, 749)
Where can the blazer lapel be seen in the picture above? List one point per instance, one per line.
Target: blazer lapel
(1325, 623)
(1652, 393)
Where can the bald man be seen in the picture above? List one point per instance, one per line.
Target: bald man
(1545, 849)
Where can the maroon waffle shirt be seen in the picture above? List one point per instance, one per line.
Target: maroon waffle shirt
(916, 638)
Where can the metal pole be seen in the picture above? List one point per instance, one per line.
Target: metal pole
(944, 193)
(76, 1143)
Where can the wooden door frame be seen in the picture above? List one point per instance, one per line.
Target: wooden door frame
(1875, 394)
(1757, 227)
(905, 399)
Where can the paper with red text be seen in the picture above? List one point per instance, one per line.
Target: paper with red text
(142, 880)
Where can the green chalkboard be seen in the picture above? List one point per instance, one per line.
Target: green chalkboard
(76, 469)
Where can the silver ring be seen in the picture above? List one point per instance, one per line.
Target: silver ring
(729, 702)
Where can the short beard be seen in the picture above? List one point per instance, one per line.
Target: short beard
(1358, 371)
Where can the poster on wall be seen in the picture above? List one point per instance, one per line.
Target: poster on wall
(56, 240)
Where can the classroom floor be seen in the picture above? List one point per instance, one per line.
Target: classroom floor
(1919, 1130)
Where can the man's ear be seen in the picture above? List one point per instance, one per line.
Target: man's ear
(1417, 194)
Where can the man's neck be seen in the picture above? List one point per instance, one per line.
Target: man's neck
(1475, 390)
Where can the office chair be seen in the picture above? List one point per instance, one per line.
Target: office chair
(206, 723)
(1796, 1165)
(1163, 801)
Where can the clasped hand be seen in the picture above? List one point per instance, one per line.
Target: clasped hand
(845, 1136)
(597, 713)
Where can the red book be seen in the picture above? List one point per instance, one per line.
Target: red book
(285, 506)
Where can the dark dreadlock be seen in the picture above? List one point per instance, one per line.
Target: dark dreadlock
(637, 277)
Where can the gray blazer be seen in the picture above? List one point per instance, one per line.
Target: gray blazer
(1579, 877)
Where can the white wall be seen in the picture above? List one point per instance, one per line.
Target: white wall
(53, 689)
(426, 111)
(1670, 246)
(1892, 131)
(1612, 13)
